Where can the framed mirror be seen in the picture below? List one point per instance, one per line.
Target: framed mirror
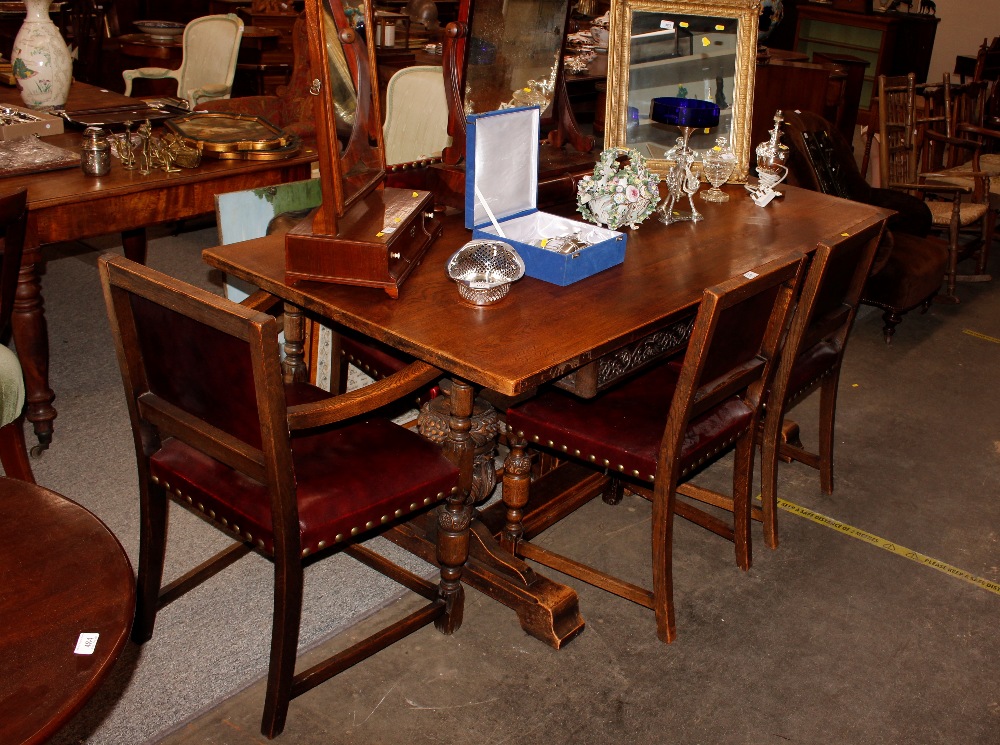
(505, 53)
(513, 53)
(700, 50)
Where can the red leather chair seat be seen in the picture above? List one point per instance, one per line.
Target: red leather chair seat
(810, 366)
(330, 510)
(622, 427)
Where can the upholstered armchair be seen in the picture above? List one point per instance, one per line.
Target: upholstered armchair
(210, 48)
(911, 264)
(291, 106)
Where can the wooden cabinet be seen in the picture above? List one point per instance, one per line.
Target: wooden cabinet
(891, 43)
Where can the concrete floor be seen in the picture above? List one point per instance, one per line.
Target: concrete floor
(828, 639)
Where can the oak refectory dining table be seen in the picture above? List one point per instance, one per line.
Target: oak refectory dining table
(66, 205)
(583, 337)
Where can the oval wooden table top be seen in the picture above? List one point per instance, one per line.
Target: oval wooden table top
(62, 574)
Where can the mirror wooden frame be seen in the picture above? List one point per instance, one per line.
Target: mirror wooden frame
(557, 112)
(746, 12)
(339, 190)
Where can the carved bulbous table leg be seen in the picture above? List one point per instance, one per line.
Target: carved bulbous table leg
(434, 423)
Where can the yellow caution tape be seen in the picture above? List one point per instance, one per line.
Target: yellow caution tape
(976, 334)
(889, 546)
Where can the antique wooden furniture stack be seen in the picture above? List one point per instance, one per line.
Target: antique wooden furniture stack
(287, 470)
(955, 209)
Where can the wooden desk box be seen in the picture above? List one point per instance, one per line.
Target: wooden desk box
(379, 241)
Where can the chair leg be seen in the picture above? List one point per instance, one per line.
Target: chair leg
(615, 492)
(742, 483)
(827, 414)
(454, 519)
(284, 643)
(152, 546)
(14, 451)
(890, 320)
(663, 572)
(989, 226)
(769, 477)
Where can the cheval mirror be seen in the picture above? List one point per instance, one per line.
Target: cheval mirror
(697, 50)
(506, 53)
(363, 233)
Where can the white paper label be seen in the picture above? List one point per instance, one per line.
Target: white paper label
(763, 200)
(86, 644)
(667, 25)
(751, 275)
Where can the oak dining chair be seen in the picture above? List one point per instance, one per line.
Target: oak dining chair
(655, 431)
(284, 469)
(811, 359)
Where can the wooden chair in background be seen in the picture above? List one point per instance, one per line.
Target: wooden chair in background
(286, 470)
(657, 429)
(955, 209)
(13, 452)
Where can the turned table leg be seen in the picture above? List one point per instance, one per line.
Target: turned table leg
(32, 341)
(294, 364)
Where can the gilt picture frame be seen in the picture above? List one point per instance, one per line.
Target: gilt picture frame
(705, 50)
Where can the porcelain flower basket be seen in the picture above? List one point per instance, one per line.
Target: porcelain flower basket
(618, 194)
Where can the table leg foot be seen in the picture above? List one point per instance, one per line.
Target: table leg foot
(546, 610)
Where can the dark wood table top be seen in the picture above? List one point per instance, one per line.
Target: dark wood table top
(62, 574)
(541, 331)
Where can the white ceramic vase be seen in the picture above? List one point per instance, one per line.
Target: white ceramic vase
(41, 59)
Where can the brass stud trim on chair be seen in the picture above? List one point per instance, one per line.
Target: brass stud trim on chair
(635, 472)
(320, 545)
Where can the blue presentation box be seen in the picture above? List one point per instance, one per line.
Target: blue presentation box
(502, 178)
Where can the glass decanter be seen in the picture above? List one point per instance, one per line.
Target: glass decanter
(718, 165)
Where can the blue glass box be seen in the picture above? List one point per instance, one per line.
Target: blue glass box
(502, 177)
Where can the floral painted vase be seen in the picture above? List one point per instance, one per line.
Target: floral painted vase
(618, 194)
(40, 59)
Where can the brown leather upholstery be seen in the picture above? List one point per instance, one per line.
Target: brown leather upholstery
(286, 470)
(910, 264)
(658, 428)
